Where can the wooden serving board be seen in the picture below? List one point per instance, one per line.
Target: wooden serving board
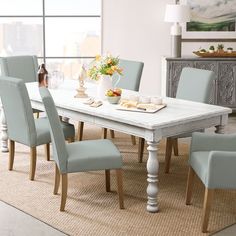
(215, 54)
(158, 108)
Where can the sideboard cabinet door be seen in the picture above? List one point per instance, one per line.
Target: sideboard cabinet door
(174, 70)
(226, 84)
(213, 66)
(224, 87)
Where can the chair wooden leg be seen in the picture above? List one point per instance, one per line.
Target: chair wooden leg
(36, 115)
(175, 146)
(57, 180)
(104, 133)
(64, 187)
(168, 154)
(33, 156)
(189, 189)
(207, 208)
(107, 176)
(112, 133)
(141, 142)
(71, 140)
(80, 131)
(133, 139)
(11, 155)
(120, 188)
(47, 150)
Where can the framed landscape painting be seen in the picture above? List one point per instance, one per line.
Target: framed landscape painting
(210, 19)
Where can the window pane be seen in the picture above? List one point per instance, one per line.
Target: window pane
(73, 37)
(73, 7)
(21, 7)
(20, 36)
(69, 67)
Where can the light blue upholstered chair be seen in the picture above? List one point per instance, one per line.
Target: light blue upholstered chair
(194, 85)
(81, 156)
(22, 67)
(213, 160)
(132, 73)
(22, 127)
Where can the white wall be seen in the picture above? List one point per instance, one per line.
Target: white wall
(134, 29)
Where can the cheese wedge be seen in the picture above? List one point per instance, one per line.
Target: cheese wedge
(146, 106)
(128, 103)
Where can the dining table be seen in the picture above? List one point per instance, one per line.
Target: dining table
(178, 117)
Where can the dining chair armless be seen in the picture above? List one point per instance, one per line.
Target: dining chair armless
(213, 160)
(194, 85)
(131, 78)
(91, 155)
(132, 73)
(22, 67)
(23, 128)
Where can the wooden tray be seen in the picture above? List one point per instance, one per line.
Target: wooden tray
(215, 54)
(158, 108)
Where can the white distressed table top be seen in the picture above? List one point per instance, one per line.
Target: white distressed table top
(177, 111)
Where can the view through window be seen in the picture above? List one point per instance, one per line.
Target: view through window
(63, 34)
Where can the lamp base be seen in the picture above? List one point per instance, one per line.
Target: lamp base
(176, 45)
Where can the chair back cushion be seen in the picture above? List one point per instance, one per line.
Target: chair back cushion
(195, 85)
(132, 73)
(60, 154)
(23, 67)
(18, 111)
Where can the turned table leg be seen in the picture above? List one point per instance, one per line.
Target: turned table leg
(152, 177)
(220, 129)
(4, 136)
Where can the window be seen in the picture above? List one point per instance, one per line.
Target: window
(63, 34)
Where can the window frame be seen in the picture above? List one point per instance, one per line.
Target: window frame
(43, 16)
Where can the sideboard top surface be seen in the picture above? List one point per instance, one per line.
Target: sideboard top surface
(189, 58)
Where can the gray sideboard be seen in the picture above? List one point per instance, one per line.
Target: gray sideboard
(224, 87)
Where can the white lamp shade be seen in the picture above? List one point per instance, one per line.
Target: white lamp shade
(177, 13)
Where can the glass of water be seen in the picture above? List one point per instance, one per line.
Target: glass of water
(55, 79)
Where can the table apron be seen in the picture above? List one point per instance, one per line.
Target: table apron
(102, 122)
(192, 126)
(152, 135)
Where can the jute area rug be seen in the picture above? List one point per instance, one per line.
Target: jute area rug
(90, 210)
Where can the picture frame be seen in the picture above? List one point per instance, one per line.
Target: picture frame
(226, 35)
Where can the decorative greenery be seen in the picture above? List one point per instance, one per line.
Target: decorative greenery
(104, 65)
(220, 46)
(212, 48)
(202, 50)
(230, 49)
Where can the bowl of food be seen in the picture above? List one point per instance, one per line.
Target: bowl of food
(113, 95)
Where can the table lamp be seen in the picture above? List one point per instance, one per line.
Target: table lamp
(177, 14)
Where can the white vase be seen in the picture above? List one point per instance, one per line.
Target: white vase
(104, 83)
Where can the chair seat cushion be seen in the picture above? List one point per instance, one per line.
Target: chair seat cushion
(200, 163)
(93, 155)
(43, 130)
